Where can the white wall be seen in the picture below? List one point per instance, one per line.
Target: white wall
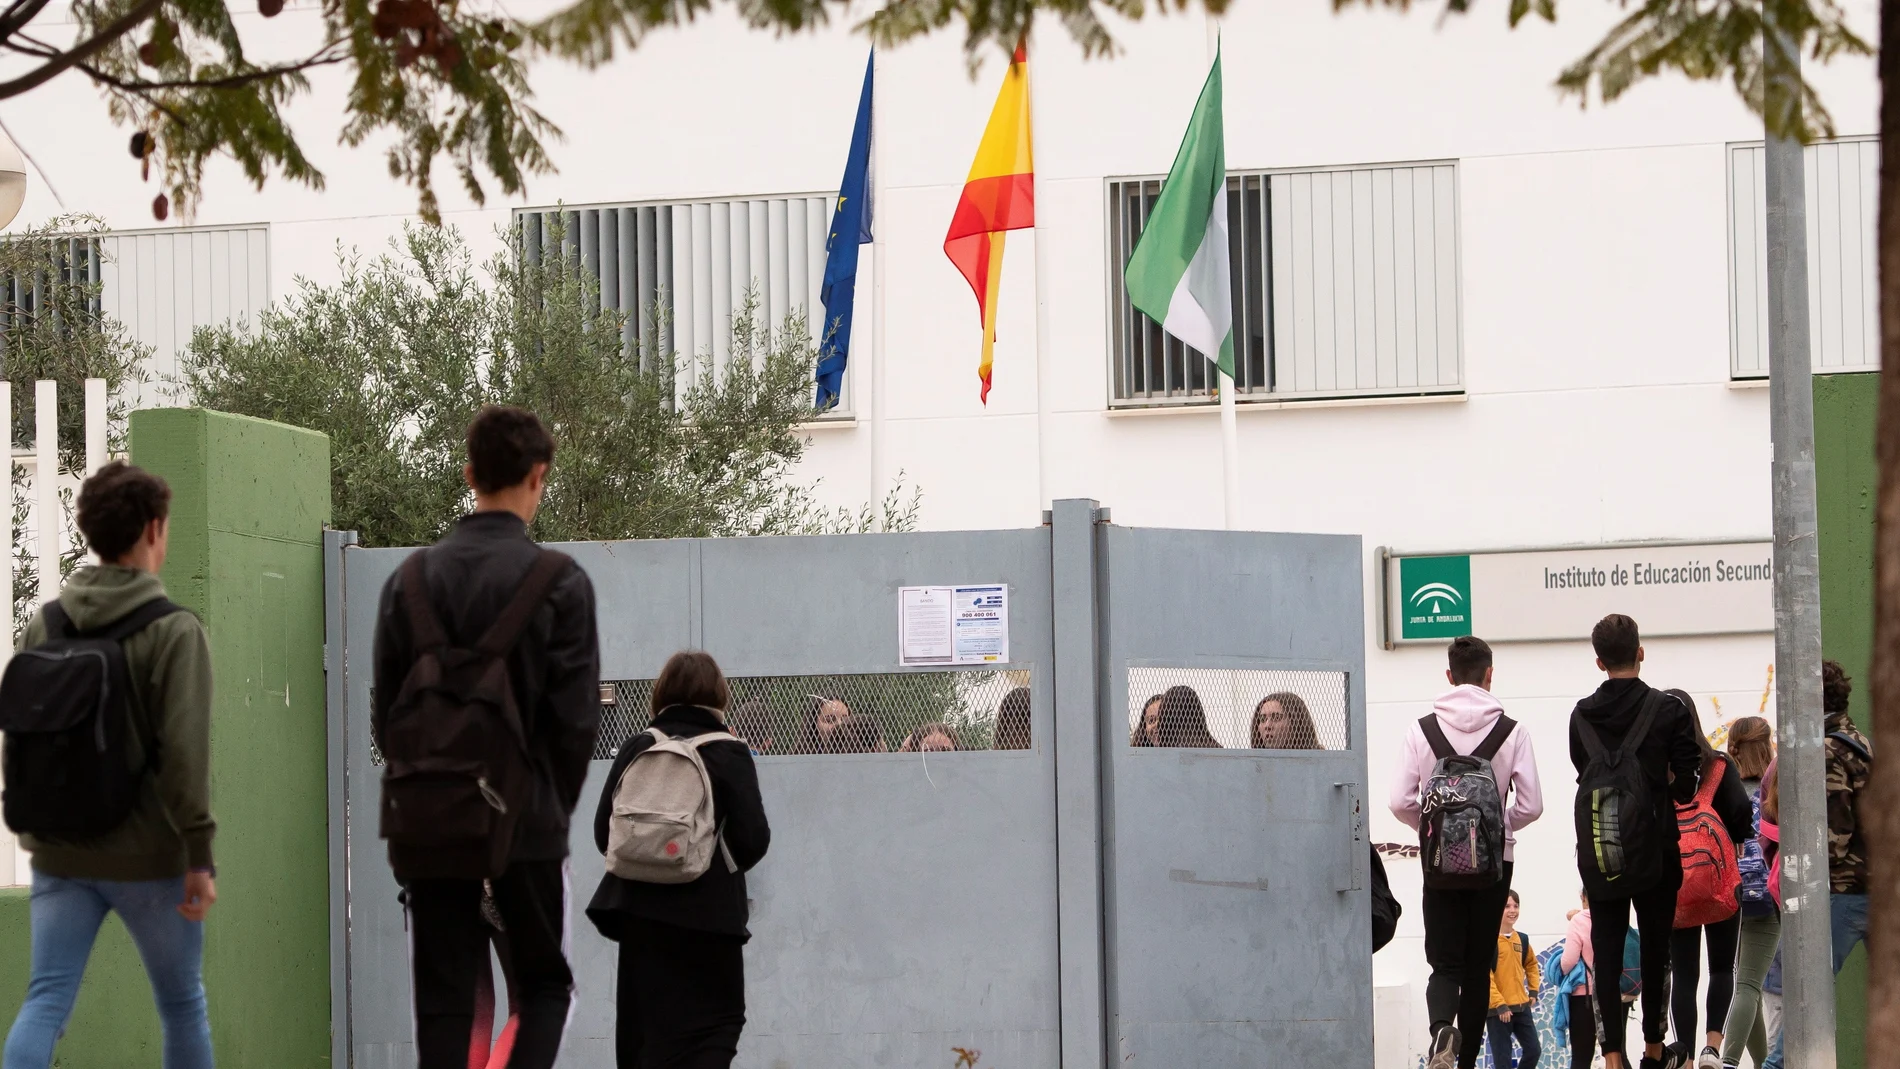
(1593, 266)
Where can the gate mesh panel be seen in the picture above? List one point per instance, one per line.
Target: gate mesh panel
(977, 709)
(1216, 707)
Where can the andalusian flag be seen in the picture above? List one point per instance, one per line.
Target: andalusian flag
(1178, 275)
(1000, 195)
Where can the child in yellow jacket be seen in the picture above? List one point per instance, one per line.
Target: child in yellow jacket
(1514, 985)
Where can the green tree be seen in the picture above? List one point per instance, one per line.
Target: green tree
(51, 327)
(394, 360)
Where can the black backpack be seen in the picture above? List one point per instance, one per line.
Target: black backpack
(456, 769)
(1386, 910)
(66, 707)
(1616, 808)
(1461, 810)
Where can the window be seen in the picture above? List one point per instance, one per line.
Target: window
(165, 284)
(1843, 179)
(697, 260)
(1345, 284)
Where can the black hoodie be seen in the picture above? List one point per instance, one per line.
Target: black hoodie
(1669, 747)
(716, 902)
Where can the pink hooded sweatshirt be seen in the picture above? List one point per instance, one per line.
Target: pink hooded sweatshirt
(1466, 715)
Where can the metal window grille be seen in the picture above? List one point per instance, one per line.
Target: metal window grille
(976, 709)
(1843, 179)
(1345, 283)
(1219, 706)
(691, 264)
(68, 262)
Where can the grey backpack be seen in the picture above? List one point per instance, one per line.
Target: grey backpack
(1461, 811)
(663, 828)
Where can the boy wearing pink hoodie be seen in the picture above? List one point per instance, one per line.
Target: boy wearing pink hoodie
(1461, 926)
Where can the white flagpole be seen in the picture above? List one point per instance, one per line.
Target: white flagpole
(1044, 345)
(1229, 417)
(879, 481)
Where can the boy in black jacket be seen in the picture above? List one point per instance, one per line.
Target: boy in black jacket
(554, 670)
(1670, 761)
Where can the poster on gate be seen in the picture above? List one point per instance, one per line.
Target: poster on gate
(953, 625)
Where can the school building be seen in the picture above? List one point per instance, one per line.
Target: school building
(1470, 315)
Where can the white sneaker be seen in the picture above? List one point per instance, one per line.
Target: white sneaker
(1710, 1059)
(1444, 1053)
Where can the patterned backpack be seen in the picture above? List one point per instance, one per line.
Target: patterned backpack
(1461, 811)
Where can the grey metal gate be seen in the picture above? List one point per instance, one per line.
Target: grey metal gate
(989, 899)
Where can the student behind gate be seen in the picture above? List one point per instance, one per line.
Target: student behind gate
(154, 868)
(467, 583)
(679, 1002)
(1461, 925)
(1649, 871)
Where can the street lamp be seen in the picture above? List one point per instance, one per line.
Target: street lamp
(12, 180)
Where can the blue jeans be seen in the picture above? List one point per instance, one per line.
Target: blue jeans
(1523, 1026)
(66, 919)
(1847, 924)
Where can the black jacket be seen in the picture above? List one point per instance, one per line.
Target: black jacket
(1735, 804)
(554, 668)
(716, 902)
(1669, 747)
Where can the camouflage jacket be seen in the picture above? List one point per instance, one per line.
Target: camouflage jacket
(1846, 777)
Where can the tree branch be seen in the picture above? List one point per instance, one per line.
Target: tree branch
(79, 53)
(18, 14)
(323, 58)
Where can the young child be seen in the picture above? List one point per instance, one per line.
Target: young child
(1583, 1017)
(1514, 985)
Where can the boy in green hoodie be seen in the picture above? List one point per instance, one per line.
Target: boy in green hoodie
(154, 870)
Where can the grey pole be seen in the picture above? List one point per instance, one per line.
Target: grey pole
(1807, 966)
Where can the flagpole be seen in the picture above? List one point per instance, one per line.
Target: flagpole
(1043, 344)
(1229, 416)
(878, 482)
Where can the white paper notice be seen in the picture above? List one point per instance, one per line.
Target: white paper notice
(923, 625)
(953, 624)
(981, 620)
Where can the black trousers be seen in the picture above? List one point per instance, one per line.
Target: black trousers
(448, 941)
(1609, 925)
(1685, 967)
(1583, 1028)
(679, 1001)
(1461, 941)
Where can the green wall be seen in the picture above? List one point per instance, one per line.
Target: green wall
(1844, 408)
(249, 502)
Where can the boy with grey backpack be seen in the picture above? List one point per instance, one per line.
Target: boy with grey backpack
(680, 821)
(1467, 782)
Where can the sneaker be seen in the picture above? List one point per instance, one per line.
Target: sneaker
(1444, 1054)
(1675, 1057)
(1710, 1059)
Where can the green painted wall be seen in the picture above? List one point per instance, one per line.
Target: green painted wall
(1844, 408)
(249, 502)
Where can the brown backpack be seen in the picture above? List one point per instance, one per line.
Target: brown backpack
(456, 769)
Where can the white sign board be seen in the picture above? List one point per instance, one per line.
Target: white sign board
(952, 625)
(1559, 594)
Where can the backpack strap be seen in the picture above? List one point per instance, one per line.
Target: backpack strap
(501, 635)
(135, 621)
(698, 741)
(58, 624)
(1435, 736)
(1652, 702)
(1494, 742)
(1524, 949)
(1592, 743)
(1705, 791)
(1849, 741)
(425, 629)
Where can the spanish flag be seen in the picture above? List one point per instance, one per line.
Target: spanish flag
(1000, 195)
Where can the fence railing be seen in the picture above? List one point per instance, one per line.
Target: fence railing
(45, 526)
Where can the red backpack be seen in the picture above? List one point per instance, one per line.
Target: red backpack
(1710, 876)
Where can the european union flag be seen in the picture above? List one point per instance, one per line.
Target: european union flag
(850, 227)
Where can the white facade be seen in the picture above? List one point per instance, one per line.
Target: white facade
(1595, 401)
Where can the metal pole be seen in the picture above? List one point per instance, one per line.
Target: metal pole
(1806, 952)
(1229, 418)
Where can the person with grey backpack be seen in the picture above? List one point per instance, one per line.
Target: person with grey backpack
(1468, 782)
(679, 824)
